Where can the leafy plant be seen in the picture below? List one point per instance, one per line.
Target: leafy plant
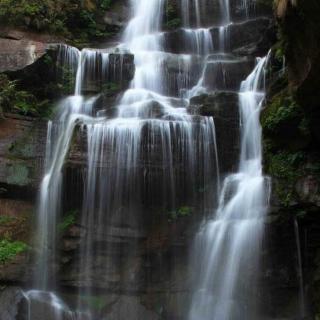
(173, 20)
(9, 249)
(75, 19)
(283, 109)
(13, 99)
(68, 220)
(105, 4)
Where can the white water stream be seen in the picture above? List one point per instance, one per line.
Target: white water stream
(149, 121)
(228, 246)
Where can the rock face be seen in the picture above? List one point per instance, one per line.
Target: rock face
(249, 38)
(16, 54)
(291, 148)
(303, 54)
(21, 48)
(224, 108)
(118, 15)
(22, 147)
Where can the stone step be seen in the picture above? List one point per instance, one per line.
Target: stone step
(226, 74)
(100, 69)
(250, 37)
(214, 11)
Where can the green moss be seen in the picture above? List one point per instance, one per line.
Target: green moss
(110, 88)
(10, 249)
(286, 168)
(96, 303)
(173, 23)
(282, 110)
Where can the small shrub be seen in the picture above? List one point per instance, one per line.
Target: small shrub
(9, 249)
(13, 99)
(282, 110)
(68, 220)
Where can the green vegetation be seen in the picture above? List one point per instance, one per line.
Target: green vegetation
(4, 220)
(96, 303)
(286, 168)
(183, 211)
(13, 99)
(173, 21)
(76, 19)
(282, 110)
(9, 249)
(110, 88)
(68, 220)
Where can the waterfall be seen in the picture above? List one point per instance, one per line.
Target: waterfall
(151, 152)
(151, 149)
(229, 243)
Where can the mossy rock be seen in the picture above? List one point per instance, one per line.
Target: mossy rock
(19, 174)
(284, 122)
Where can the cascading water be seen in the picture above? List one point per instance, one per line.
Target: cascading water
(150, 151)
(151, 144)
(230, 242)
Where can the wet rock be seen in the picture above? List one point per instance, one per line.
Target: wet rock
(249, 38)
(213, 12)
(308, 189)
(279, 270)
(220, 104)
(119, 72)
(39, 305)
(181, 71)
(128, 307)
(16, 269)
(224, 108)
(118, 15)
(22, 151)
(10, 297)
(252, 37)
(226, 74)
